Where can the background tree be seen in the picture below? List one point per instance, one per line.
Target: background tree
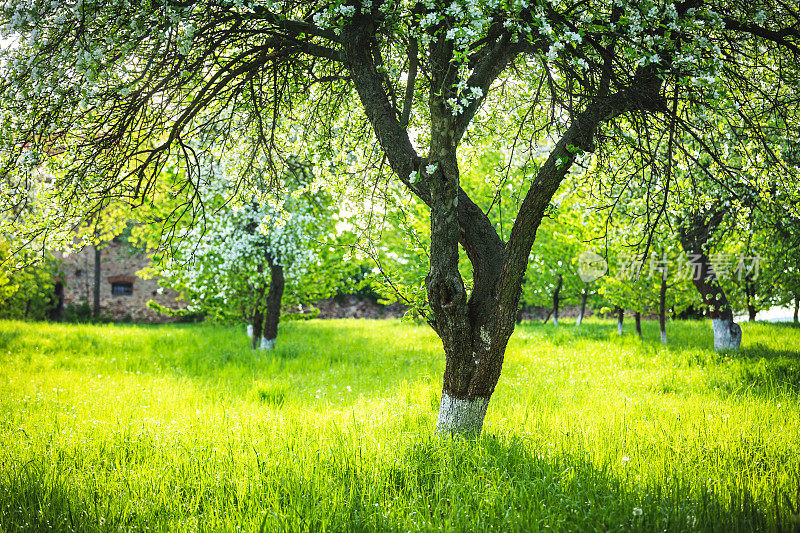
(248, 261)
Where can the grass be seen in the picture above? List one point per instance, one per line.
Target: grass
(109, 428)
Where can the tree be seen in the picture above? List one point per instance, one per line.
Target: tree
(28, 290)
(390, 81)
(240, 261)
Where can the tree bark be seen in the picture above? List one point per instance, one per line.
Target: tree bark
(749, 291)
(256, 328)
(620, 315)
(556, 298)
(662, 311)
(796, 309)
(56, 313)
(277, 284)
(695, 231)
(96, 295)
(584, 296)
(637, 317)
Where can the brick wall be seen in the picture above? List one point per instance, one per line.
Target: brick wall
(118, 266)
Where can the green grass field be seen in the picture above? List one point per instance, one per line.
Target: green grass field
(183, 428)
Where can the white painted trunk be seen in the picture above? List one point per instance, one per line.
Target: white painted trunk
(461, 417)
(664, 338)
(555, 320)
(249, 331)
(267, 344)
(580, 319)
(619, 327)
(727, 334)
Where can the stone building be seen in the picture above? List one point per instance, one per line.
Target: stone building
(121, 294)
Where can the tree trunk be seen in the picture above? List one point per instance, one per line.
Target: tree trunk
(749, 291)
(57, 311)
(620, 315)
(695, 231)
(556, 299)
(584, 296)
(796, 308)
(637, 317)
(255, 329)
(662, 311)
(274, 298)
(96, 295)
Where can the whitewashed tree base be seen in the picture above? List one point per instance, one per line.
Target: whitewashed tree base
(555, 321)
(461, 417)
(249, 331)
(664, 338)
(727, 334)
(619, 328)
(267, 344)
(580, 319)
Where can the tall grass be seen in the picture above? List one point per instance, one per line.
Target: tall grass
(108, 428)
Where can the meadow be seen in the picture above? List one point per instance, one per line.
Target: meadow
(184, 428)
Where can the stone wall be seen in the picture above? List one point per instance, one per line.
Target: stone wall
(123, 295)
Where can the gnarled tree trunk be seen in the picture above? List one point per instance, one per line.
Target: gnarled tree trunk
(475, 330)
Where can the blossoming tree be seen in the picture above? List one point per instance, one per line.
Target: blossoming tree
(247, 261)
(122, 87)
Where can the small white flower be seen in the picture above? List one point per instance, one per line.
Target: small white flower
(637, 511)
(626, 459)
(430, 169)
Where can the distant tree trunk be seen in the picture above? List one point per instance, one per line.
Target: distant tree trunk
(749, 292)
(274, 297)
(662, 311)
(556, 293)
(255, 329)
(637, 317)
(620, 314)
(695, 231)
(58, 304)
(584, 295)
(796, 308)
(96, 294)
(519, 313)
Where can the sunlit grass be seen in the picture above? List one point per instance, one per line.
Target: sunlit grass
(185, 428)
